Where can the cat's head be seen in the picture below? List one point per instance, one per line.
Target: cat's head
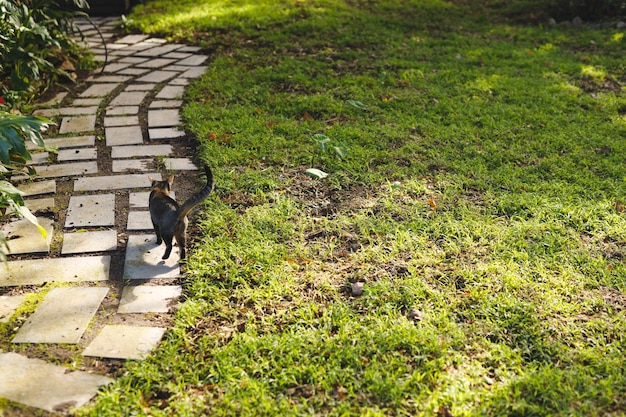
(164, 186)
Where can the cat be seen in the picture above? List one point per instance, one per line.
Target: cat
(168, 217)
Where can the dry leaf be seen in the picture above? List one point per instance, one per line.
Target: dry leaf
(432, 204)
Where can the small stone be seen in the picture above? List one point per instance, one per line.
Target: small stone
(357, 288)
(416, 315)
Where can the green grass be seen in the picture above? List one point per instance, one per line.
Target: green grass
(483, 165)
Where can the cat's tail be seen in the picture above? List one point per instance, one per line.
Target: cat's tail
(197, 199)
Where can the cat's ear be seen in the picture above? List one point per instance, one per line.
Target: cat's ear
(170, 179)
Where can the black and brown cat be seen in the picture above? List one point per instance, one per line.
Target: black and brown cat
(168, 217)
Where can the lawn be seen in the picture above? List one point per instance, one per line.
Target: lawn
(475, 178)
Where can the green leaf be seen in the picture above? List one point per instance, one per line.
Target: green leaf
(25, 212)
(357, 104)
(341, 151)
(316, 173)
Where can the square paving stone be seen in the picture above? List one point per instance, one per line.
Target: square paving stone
(25, 237)
(40, 204)
(140, 199)
(193, 60)
(166, 104)
(91, 210)
(77, 154)
(62, 316)
(148, 298)
(156, 63)
(8, 305)
(121, 121)
(123, 135)
(78, 124)
(129, 98)
(143, 259)
(115, 182)
(140, 87)
(71, 169)
(85, 242)
(139, 220)
(134, 71)
(125, 342)
(163, 118)
(70, 142)
(66, 111)
(165, 133)
(177, 55)
(122, 110)
(108, 79)
(193, 72)
(179, 164)
(38, 271)
(157, 76)
(116, 66)
(172, 92)
(140, 150)
(38, 188)
(133, 38)
(86, 102)
(132, 165)
(159, 50)
(99, 90)
(54, 388)
(179, 81)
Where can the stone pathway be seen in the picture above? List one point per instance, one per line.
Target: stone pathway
(100, 253)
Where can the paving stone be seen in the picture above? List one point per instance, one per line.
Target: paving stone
(67, 169)
(69, 142)
(140, 150)
(129, 98)
(123, 135)
(140, 87)
(99, 90)
(156, 63)
(86, 102)
(133, 38)
(39, 384)
(157, 76)
(85, 242)
(143, 259)
(165, 133)
(177, 55)
(139, 220)
(66, 111)
(54, 101)
(39, 158)
(8, 305)
(175, 68)
(179, 81)
(166, 104)
(116, 66)
(134, 71)
(91, 210)
(159, 50)
(77, 154)
(108, 79)
(78, 124)
(148, 298)
(38, 188)
(62, 316)
(122, 110)
(140, 199)
(188, 48)
(130, 165)
(40, 204)
(193, 61)
(38, 271)
(133, 60)
(194, 72)
(25, 237)
(121, 121)
(179, 164)
(125, 342)
(171, 92)
(163, 118)
(115, 182)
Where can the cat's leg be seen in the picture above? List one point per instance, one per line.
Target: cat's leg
(157, 232)
(181, 233)
(168, 246)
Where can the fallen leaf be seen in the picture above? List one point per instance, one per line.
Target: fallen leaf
(619, 206)
(316, 173)
(307, 117)
(432, 204)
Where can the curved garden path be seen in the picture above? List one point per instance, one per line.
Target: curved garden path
(111, 295)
